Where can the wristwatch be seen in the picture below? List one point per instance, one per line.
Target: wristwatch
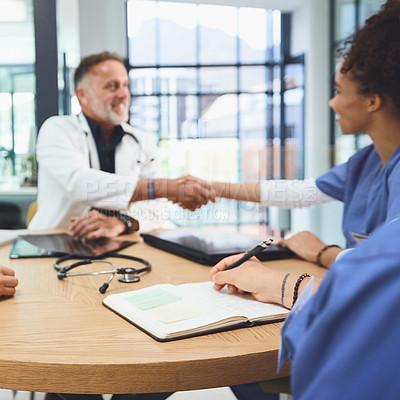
(130, 225)
(127, 220)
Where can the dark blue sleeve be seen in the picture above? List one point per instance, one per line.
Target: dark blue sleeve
(332, 182)
(348, 333)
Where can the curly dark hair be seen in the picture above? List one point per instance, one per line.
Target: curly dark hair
(93, 59)
(372, 54)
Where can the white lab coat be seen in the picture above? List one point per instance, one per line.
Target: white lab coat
(70, 180)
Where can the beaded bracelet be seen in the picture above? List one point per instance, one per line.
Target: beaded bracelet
(283, 288)
(296, 287)
(318, 258)
(151, 188)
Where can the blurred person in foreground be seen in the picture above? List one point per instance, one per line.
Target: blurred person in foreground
(8, 281)
(367, 100)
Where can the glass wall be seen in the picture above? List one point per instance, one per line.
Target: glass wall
(17, 93)
(348, 15)
(213, 84)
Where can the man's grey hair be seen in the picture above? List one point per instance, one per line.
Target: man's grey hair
(93, 59)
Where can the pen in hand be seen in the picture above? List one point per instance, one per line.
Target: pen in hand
(250, 253)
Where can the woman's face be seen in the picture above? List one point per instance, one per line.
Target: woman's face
(350, 106)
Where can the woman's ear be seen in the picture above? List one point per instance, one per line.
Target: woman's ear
(375, 102)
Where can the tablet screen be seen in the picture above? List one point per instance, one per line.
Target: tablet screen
(54, 245)
(23, 249)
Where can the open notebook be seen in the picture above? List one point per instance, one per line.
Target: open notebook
(168, 312)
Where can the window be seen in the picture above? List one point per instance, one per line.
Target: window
(17, 92)
(215, 85)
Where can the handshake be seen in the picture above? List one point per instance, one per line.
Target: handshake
(188, 192)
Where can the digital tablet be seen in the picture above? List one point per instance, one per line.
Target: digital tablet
(56, 245)
(209, 246)
(23, 249)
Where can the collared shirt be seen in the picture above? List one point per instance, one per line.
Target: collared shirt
(106, 152)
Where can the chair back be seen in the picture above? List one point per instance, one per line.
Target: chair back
(31, 212)
(10, 216)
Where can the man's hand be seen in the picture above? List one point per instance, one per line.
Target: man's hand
(94, 225)
(190, 192)
(8, 281)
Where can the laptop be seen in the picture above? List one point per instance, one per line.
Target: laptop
(209, 246)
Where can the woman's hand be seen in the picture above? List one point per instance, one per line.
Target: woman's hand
(307, 246)
(252, 277)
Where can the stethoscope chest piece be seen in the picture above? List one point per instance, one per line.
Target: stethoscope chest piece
(129, 276)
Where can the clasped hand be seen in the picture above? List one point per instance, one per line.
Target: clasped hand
(190, 192)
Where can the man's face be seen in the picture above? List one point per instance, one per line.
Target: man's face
(104, 94)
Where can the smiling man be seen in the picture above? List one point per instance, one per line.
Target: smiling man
(97, 172)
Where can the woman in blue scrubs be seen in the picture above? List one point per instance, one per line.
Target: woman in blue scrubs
(342, 344)
(367, 100)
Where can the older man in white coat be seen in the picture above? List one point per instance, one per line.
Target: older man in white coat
(94, 168)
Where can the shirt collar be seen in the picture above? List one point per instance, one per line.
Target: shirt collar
(98, 133)
(106, 152)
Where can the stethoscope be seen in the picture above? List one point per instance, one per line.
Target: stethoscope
(147, 160)
(142, 162)
(129, 274)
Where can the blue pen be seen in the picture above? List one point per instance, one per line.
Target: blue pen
(250, 253)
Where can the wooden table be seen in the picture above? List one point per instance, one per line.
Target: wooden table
(56, 336)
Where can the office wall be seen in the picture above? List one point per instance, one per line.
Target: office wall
(91, 26)
(68, 32)
(102, 26)
(310, 35)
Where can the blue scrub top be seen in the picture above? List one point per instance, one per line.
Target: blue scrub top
(344, 343)
(371, 194)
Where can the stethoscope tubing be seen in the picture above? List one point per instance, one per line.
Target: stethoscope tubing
(129, 273)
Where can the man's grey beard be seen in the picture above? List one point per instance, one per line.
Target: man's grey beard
(114, 118)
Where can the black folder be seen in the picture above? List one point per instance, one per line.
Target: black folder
(209, 246)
